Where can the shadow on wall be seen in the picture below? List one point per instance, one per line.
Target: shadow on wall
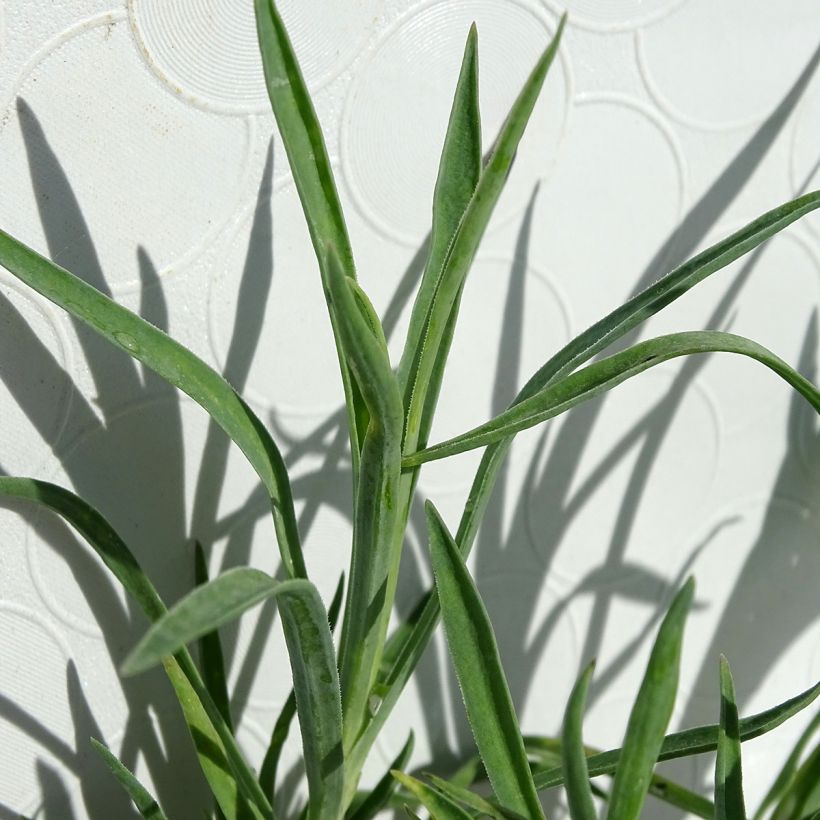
(154, 731)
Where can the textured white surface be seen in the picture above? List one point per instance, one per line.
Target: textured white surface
(134, 149)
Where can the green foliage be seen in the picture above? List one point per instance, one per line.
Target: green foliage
(342, 699)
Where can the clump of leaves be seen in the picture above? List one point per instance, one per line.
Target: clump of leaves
(343, 697)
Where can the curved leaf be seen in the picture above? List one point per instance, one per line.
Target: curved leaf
(375, 556)
(474, 653)
(145, 802)
(312, 172)
(379, 796)
(270, 763)
(602, 376)
(178, 366)
(699, 740)
(408, 644)
(310, 649)
(574, 757)
(729, 804)
(228, 775)
(439, 806)
(651, 712)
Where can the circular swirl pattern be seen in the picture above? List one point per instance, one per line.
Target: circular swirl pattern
(208, 52)
(397, 109)
(90, 184)
(614, 15)
(728, 85)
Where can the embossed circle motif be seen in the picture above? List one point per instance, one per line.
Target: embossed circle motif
(728, 85)
(90, 182)
(36, 385)
(512, 317)
(207, 50)
(397, 109)
(614, 15)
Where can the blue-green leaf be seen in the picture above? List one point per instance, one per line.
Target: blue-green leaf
(574, 758)
(729, 803)
(475, 656)
(651, 712)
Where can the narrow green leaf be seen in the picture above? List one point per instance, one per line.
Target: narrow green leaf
(789, 770)
(673, 794)
(475, 656)
(459, 171)
(178, 366)
(204, 609)
(407, 646)
(145, 802)
(462, 248)
(699, 740)
(729, 802)
(380, 794)
(228, 775)
(574, 758)
(318, 698)
(376, 547)
(212, 661)
(312, 172)
(602, 376)
(460, 795)
(651, 712)
(312, 660)
(802, 798)
(439, 806)
(270, 763)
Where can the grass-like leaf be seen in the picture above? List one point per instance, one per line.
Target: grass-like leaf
(229, 776)
(426, 353)
(178, 366)
(145, 802)
(375, 556)
(602, 376)
(475, 656)
(312, 172)
(204, 609)
(211, 659)
(312, 659)
(475, 802)
(729, 803)
(408, 644)
(802, 799)
(787, 773)
(380, 795)
(270, 763)
(574, 758)
(458, 176)
(700, 740)
(651, 712)
(439, 806)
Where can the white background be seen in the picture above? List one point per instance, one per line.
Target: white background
(136, 148)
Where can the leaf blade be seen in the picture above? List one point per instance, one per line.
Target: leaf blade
(145, 802)
(574, 758)
(312, 172)
(228, 775)
(380, 794)
(178, 366)
(729, 803)
(651, 713)
(602, 376)
(475, 656)
(439, 806)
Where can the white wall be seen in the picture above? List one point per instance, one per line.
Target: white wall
(134, 149)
